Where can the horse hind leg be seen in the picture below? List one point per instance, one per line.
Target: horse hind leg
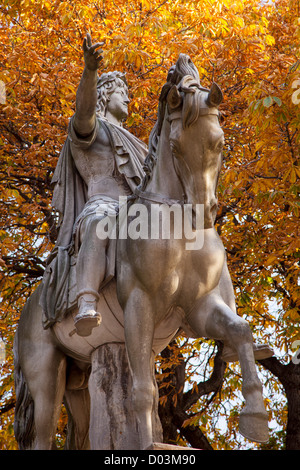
(77, 403)
(214, 319)
(40, 379)
(47, 392)
(43, 375)
(38, 405)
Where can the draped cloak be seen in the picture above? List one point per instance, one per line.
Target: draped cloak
(69, 199)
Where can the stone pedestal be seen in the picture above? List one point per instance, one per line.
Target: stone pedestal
(113, 424)
(170, 447)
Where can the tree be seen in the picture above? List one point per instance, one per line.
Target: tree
(251, 49)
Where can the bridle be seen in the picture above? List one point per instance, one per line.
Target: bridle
(159, 198)
(177, 114)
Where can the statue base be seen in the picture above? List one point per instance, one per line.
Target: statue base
(170, 447)
(113, 424)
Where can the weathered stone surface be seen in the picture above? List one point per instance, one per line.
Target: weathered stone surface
(113, 423)
(162, 446)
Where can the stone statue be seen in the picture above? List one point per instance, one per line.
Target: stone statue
(149, 290)
(100, 162)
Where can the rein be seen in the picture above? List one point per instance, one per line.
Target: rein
(177, 114)
(157, 198)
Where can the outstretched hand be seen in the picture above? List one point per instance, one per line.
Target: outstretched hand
(92, 54)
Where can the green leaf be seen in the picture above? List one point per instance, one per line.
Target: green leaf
(268, 101)
(277, 100)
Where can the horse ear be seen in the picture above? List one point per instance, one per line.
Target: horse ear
(174, 98)
(215, 96)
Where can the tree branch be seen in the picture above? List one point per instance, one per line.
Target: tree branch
(7, 407)
(213, 384)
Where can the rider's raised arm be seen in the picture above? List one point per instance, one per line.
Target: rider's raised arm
(86, 97)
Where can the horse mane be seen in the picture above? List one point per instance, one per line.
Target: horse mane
(192, 100)
(184, 75)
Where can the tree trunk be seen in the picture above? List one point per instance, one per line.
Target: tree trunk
(289, 376)
(174, 412)
(293, 424)
(113, 425)
(291, 383)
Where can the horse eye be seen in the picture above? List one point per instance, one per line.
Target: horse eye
(175, 147)
(220, 145)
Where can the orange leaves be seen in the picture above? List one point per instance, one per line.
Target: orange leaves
(296, 94)
(248, 48)
(292, 174)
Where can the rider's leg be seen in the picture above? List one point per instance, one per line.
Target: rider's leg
(90, 273)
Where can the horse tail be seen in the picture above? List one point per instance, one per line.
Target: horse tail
(24, 411)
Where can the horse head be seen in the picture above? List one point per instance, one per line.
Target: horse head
(196, 140)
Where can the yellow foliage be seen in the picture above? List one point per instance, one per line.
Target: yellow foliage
(250, 49)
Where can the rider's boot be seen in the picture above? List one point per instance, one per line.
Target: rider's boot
(87, 317)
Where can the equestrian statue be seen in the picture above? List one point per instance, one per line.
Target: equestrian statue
(129, 286)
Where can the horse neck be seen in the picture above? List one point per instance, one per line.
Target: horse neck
(163, 179)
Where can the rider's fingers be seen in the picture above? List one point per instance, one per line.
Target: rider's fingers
(89, 40)
(95, 46)
(98, 54)
(99, 58)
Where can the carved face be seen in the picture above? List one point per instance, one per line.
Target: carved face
(117, 104)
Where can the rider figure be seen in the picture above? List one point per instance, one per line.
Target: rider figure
(108, 161)
(105, 98)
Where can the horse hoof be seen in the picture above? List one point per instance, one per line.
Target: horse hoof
(254, 426)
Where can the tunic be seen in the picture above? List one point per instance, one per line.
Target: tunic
(74, 179)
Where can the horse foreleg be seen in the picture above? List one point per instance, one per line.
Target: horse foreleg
(139, 330)
(214, 319)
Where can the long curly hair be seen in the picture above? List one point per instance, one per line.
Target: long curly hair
(106, 85)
